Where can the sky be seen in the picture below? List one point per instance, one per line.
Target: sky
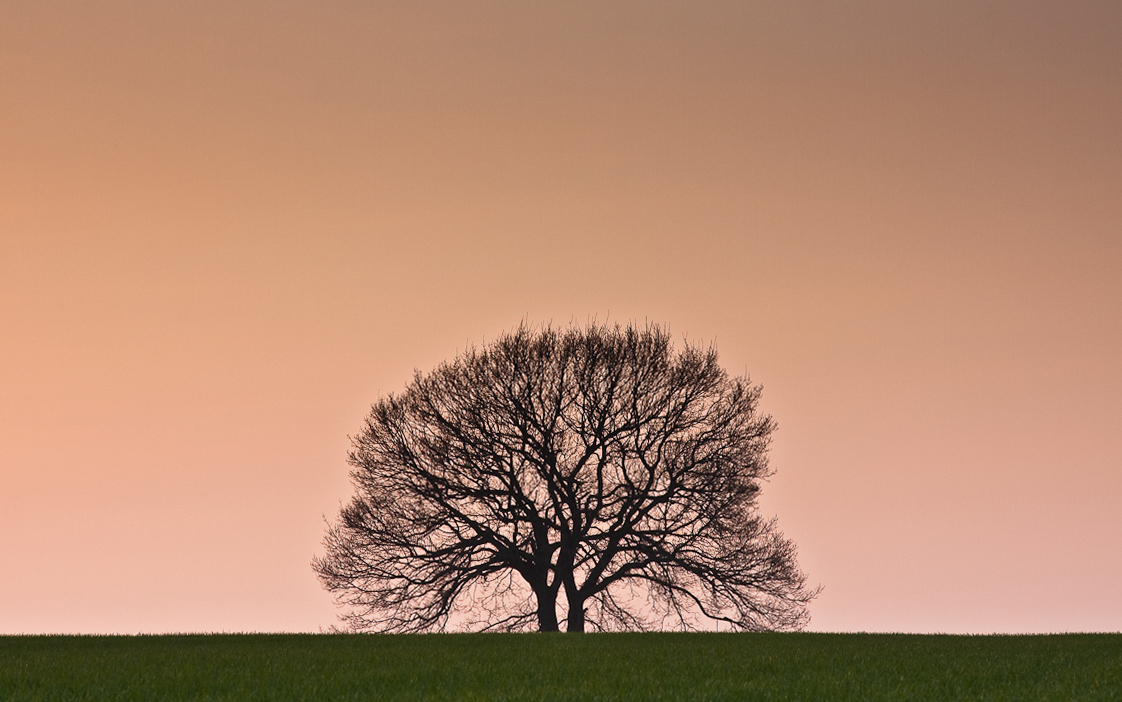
(228, 228)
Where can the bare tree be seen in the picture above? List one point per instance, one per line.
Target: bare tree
(598, 476)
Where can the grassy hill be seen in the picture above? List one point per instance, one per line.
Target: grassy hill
(670, 666)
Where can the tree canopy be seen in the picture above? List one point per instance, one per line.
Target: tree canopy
(597, 476)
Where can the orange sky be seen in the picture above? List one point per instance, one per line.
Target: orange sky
(227, 227)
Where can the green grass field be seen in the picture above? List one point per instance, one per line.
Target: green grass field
(562, 667)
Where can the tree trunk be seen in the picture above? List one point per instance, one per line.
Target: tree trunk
(547, 610)
(547, 619)
(575, 622)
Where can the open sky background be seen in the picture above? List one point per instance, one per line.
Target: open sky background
(227, 228)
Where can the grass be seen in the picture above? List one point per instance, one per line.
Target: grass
(561, 667)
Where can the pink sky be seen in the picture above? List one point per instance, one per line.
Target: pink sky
(227, 228)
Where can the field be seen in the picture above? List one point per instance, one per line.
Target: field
(562, 667)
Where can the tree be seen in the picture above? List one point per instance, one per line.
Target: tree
(595, 476)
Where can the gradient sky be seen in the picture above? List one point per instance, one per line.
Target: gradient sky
(227, 228)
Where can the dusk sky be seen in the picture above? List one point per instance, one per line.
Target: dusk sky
(228, 228)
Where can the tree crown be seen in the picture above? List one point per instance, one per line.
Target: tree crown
(599, 472)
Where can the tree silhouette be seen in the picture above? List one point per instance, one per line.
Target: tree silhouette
(595, 476)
